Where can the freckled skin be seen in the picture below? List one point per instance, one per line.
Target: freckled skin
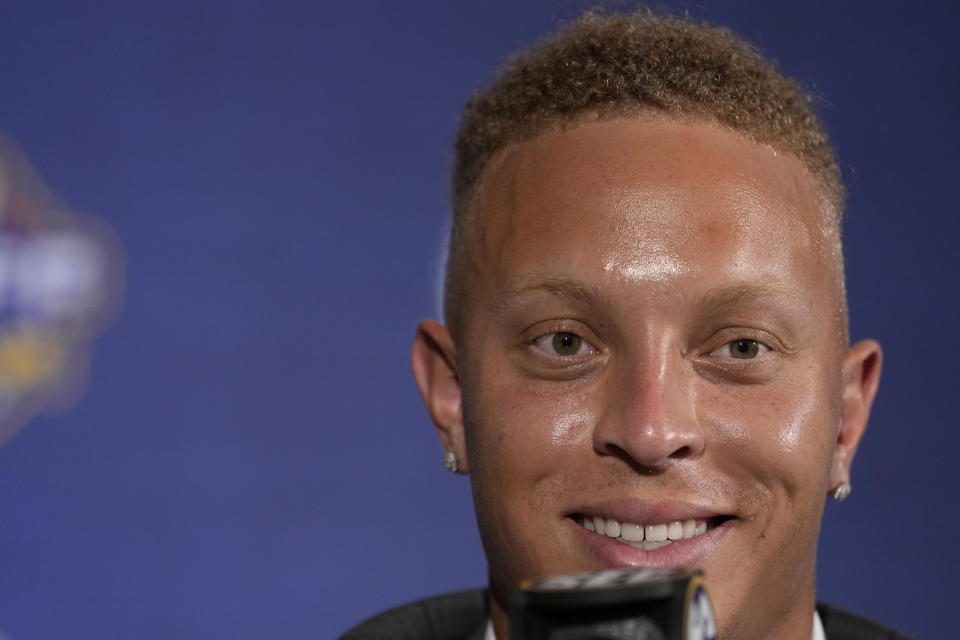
(652, 217)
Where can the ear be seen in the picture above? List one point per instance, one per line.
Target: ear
(861, 375)
(434, 361)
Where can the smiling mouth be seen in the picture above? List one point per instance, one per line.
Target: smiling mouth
(650, 536)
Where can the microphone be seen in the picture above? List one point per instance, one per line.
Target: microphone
(619, 604)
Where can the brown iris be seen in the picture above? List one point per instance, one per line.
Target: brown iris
(567, 344)
(744, 349)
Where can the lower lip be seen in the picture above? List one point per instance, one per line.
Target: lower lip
(613, 554)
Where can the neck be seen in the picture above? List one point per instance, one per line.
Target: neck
(500, 617)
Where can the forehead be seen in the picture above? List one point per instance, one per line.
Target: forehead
(650, 200)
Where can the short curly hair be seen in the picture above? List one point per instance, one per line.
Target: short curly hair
(610, 65)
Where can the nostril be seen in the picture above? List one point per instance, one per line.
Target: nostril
(682, 452)
(649, 449)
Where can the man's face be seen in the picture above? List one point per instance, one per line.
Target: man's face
(653, 337)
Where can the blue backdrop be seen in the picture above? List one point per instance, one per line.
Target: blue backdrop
(250, 458)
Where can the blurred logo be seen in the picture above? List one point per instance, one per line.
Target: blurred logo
(700, 623)
(59, 285)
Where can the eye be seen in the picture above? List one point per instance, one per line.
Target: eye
(563, 344)
(743, 349)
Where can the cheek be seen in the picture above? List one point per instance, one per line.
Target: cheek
(525, 446)
(524, 429)
(523, 434)
(780, 433)
(571, 422)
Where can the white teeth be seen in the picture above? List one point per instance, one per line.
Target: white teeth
(646, 545)
(631, 532)
(613, 528)
(655, 532)
(675, 531)
(649, 537)
(650, 546)
(600, 525)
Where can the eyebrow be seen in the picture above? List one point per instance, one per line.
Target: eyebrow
(782, 300)
(533, 284)
(745, 292)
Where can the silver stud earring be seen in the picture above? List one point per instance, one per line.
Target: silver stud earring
(841, 492)
(450, 461)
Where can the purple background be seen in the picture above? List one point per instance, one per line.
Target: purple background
(251, 458)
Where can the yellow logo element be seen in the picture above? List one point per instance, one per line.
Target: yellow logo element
(60, 277)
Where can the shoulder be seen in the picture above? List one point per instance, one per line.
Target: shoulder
(843, 625)
(453, 616)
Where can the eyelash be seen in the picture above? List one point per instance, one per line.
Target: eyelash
(762, 348)
(544, 343)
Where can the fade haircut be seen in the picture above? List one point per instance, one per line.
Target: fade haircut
(612, 65)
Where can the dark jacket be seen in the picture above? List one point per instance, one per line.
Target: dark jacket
(463, 616)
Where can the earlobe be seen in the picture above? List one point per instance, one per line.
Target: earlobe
(434, 360)
(861, 376)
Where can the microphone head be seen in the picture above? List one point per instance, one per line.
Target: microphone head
(618, 604)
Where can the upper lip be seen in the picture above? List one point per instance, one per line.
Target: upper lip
(649, 511)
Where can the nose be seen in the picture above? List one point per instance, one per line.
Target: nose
(651, 417)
